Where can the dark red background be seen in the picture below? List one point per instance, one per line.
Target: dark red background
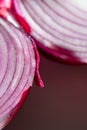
(61, 105)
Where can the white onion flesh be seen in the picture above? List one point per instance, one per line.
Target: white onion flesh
(56, 25)
(17, 68)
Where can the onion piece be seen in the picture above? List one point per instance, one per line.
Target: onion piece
(59, 28)
(17, 69)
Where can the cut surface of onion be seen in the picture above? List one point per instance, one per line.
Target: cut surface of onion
(17, 69)
(5, 3)
(59, 26)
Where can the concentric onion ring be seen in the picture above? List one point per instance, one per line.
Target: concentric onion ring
(17, 68)
(59, 26)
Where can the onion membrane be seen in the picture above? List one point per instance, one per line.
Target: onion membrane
(59, 26)
(18, 64)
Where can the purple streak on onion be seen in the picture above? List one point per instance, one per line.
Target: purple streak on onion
(57, 25)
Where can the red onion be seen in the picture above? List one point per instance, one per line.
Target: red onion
(18, 63)
(59, 26)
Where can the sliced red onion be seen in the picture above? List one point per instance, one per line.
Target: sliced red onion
(59, 26)
(17, 69)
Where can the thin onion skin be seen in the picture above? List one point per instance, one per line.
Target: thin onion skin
(60, 29)
(18, 65)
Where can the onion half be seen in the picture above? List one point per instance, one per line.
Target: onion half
(59, 26)
(18, 65)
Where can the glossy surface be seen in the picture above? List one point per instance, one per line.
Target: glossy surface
(61, 105)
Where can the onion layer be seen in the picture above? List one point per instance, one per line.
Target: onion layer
(60, 28)
(17, 69)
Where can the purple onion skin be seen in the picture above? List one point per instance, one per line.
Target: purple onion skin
(38, 79)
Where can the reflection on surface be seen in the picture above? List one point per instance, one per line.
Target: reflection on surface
(61, 105)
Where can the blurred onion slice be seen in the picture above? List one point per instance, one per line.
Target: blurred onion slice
(59, 26)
